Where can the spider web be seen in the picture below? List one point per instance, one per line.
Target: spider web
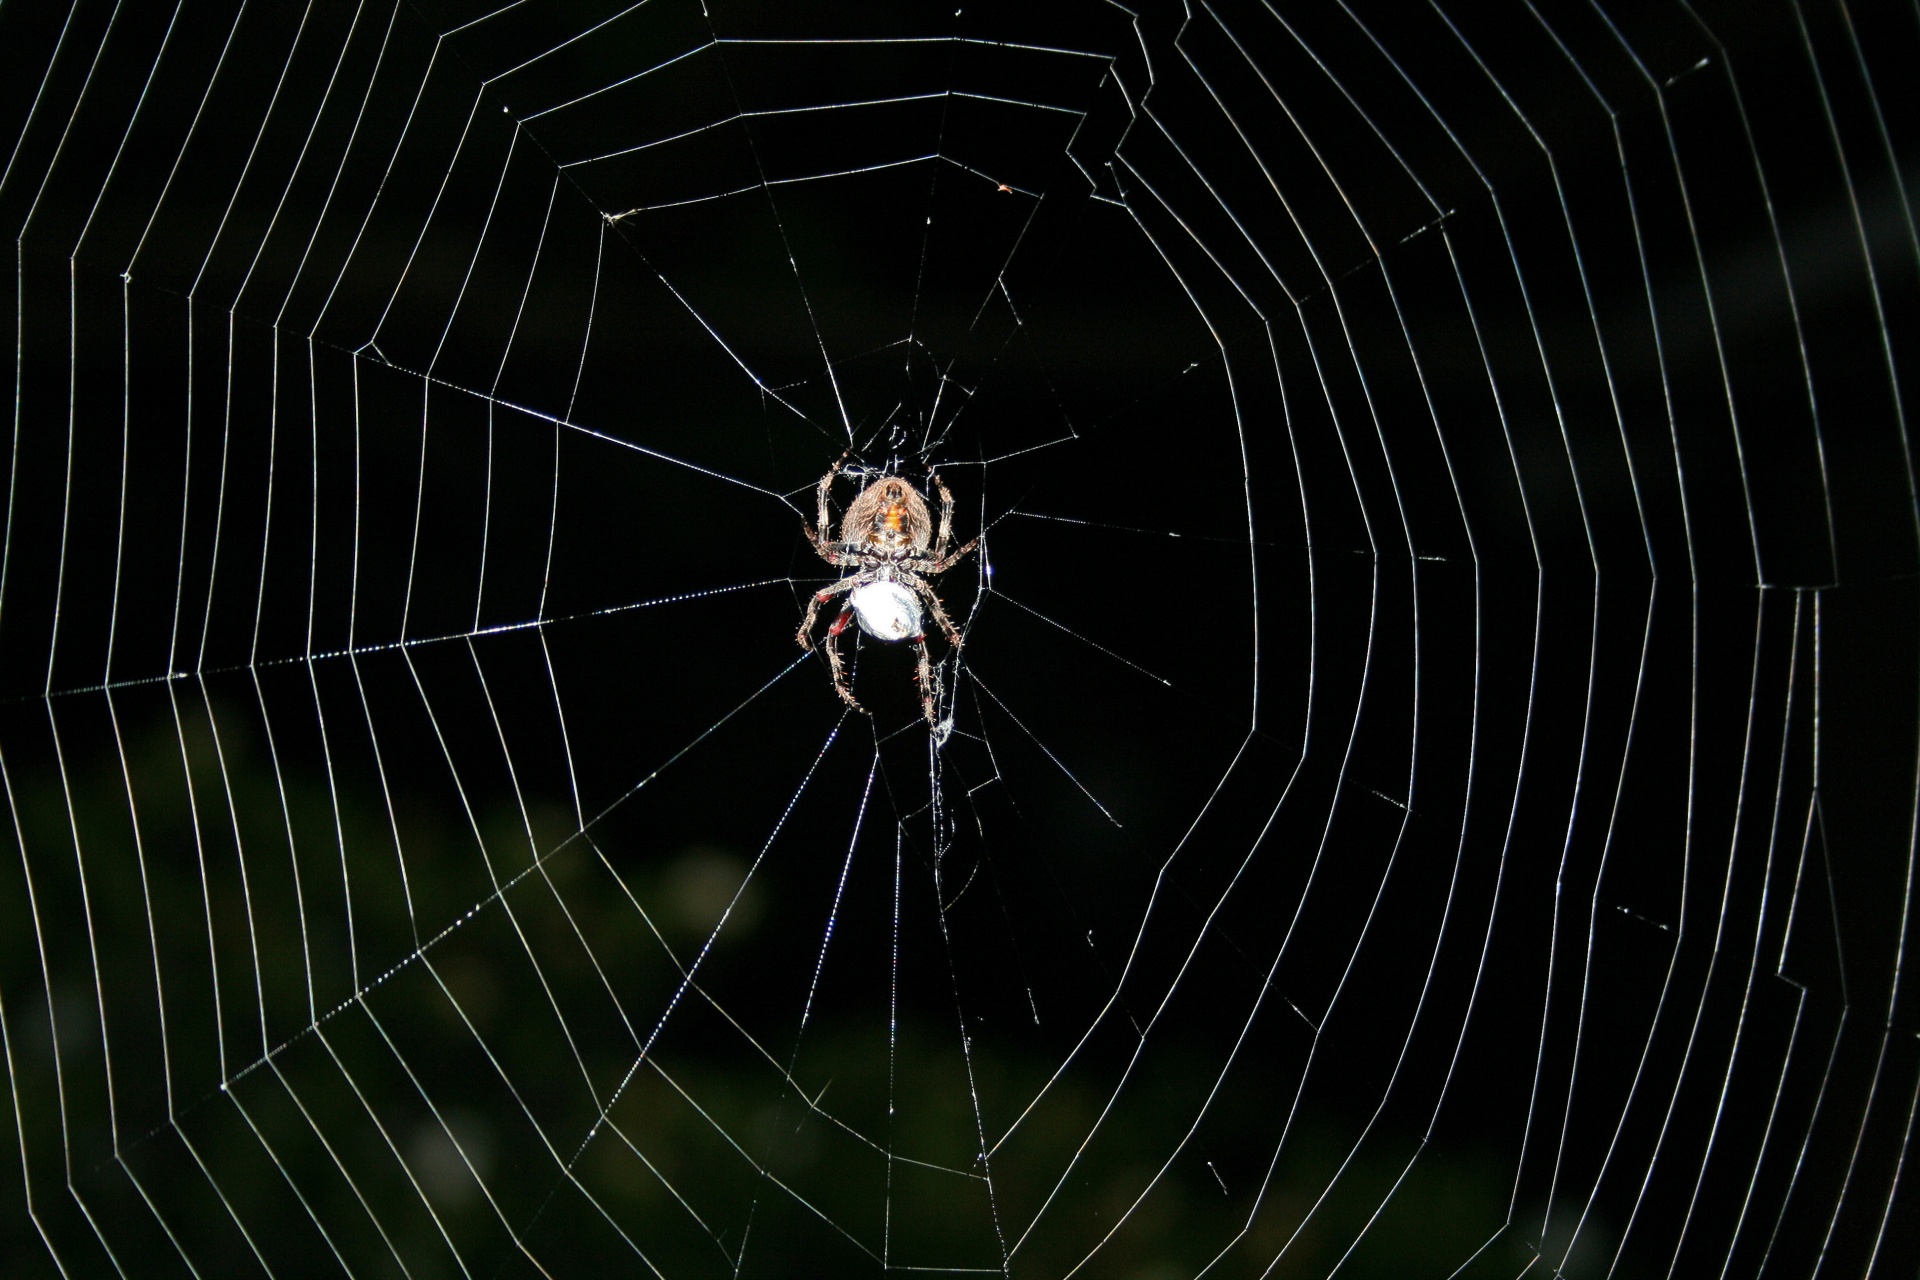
(1429, 787)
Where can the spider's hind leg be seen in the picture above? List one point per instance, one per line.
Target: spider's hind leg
(939, 613)
(928, 687)
(835, 662)
(805, 634)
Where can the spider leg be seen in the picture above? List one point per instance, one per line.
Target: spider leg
(822, 538)
(925, 676)
(805, 636)
(831, 642)
(939, 615)
(944, 563)
(821, 546)
(946, 516)
(834, 663)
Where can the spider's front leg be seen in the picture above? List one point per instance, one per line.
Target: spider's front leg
(946, 516)
(822, 536)
(945, 563)
(942, 558)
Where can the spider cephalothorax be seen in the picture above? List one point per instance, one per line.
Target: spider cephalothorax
(887, 538)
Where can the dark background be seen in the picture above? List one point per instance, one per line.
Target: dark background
(1431, 784)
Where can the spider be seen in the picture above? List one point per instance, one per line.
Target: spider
(884, 538)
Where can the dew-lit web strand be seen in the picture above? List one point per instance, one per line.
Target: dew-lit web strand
(764, 1163)
(941, 95)
(20, 321)
(102, 1010)
(1232, 1055)
(786, 245)
(99, 995)
(192, 293)
(59, 1068)
(126, 341)
(1658, 92)
(194, 808)
(645, 1051)
(1086, 640)
(1777, 971)
(536, 625)
(746, 1036)
(1443, 925)
(73, 348)
(426, 1097)
(1480, 967)
(139, 848)
(293, 174)
(1627, 456)
(358, 998)
(553, 523)
(1787, 724)
(1510, 824)
(1586, 524)
(6, 779)
(1725, 63)
(575, 38)
(1007, 711)
(893, 1043)
(1089, 797)
(995, 1212)
(1636, 492)
(6, 1041)
(1373, 413)
(1755, 957)
(1735, 834)
(767, 186)
(480, 240)
(1114, 996)
(1815, 828)
(613, 1127)
(830, 371)
(1627, 748)
(428, 219)
(71, 813)
(500, 896)
(346, 150)
(493, 875)
(833, 914)
(913, 314)
(1887, 1024)
(393, 1150)
(33, 111)
(180, 570)
(500, 372)
(233, 824)
(606, 984)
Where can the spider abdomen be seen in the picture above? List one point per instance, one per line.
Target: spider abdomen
(885, 610)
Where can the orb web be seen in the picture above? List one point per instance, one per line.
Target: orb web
(1428, 787)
